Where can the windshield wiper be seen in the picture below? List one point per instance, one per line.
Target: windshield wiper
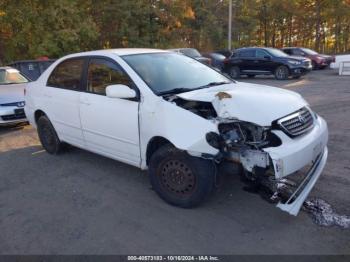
(175, 91)
(213, 84)
(183, 90)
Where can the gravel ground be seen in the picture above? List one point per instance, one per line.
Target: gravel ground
(82, 203)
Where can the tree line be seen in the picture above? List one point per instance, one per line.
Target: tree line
(53, 28)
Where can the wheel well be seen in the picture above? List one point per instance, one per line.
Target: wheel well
(153, 145)
(38, 114)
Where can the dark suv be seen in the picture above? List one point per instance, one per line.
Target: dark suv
(254, 61)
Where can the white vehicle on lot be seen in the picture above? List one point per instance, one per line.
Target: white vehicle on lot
(179, 119)
(12, 85)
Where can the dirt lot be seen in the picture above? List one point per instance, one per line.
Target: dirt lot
(82, 203)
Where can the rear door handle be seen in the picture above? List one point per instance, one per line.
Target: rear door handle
(85, 103)
(47, 95)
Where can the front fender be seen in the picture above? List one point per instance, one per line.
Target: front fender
(184, 129)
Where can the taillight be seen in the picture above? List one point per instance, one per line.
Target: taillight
(226, 60)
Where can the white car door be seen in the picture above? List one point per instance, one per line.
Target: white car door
(61, 99)
(110, 125)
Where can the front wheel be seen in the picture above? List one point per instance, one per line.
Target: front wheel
(48, 136)
(180, 179)
(282, 73)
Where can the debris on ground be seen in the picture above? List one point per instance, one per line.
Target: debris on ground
(323, 214)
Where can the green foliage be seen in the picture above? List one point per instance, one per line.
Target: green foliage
(33, 28)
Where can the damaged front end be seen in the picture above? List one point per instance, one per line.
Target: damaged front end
(287, 165)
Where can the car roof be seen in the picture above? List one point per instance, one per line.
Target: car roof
(291, 47)
(178, 49)
(119, 52)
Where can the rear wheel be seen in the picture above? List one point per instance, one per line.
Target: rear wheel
(282, 73)
(180, 179)
(48, 136)
(235, 72)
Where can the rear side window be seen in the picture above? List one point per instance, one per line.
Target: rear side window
(287, 51)
(102, 73)
(67, 75)
(246, 53)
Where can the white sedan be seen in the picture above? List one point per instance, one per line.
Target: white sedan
(179, 119)
(12, 85)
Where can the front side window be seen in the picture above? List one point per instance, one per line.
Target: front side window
(67, 75)
(11, 76)
(261, 53)
(168, 72)
(298, 52)
(102, 73)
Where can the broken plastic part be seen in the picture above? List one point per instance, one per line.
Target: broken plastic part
(296, 200)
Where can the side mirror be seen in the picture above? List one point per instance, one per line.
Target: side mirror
(120, 91)
(267, 57)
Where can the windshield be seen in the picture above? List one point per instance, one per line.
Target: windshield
(164, 72)
(309, 51)
(11, 76)
(276, 52)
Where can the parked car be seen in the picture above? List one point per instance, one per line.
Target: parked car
(254, 61)
(12, 84)
(192, 52)
(32, 69)
(319, 61)
(179, 119)
(217, 60)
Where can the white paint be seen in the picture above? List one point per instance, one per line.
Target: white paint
(122, 129)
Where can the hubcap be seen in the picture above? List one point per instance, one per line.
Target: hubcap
(177, 178)
(281, 73)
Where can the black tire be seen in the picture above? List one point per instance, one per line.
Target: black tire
(251, 76)
(48, 136)
(180, 179)
(235, 72)
(282, 73)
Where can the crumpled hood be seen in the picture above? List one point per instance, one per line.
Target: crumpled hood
(11, 93)
(253, 103)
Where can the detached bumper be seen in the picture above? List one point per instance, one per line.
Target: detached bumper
(295, 155)
(296, 200)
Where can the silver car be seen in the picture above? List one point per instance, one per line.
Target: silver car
(12, 85)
